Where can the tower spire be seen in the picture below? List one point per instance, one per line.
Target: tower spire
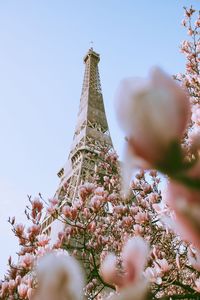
(92, 125)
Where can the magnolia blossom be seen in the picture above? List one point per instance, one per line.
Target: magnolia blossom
(109, 270)
(134, 256)
(130, 282)
(185, 203)
(197, 285)
(153, 113)
(162, 266)
(27, 261)
(194, 258)
(153, 275)
(196, 115)
(59, 277)
(22, 290)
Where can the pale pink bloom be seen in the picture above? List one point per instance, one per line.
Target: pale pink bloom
(99, 191)
(194, 172)
(194, 139)
(152, 275)
(183, 22)
(161, 209)
(194, 258)
(43, 240)
(118, 209)
(19, 229)
(27, 261)
(86, 189)
(30, 293)
(138, 229)
(41, 251)
(12, 285)
(127, 221)
(141, 217)
(162, 266)
(153, 197)
(51, 210)
(134, 210)
(155, 252)
(34, 229)
(96, 201)
(154, 113)
(77, 204)
(86, 212)
(60, 277)
(28, 279)
(153, 173)
(146, 188)
(106, 179)
(196, 115)
(54, 201)
(134, 256)
(190, 31)
(22, 290)
(157, 207)
(112, 197)
(109, 270)
(18, 279)
(197, 23)
(186, 205)
(92, 226)
(4, 288)
(74, 212)
(37, 205)
(197, 285)
(66, 210)
(178, 261)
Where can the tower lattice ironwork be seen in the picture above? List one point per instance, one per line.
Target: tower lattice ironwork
(91, 134)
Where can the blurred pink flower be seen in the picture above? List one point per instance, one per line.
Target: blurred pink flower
(43, 240)
(109, 270)
(60, 277)
(22, 290)
(152, 275)
(194, 258)
(37, 205)
(141, 217)
(138, 229)
(154, 113)
(19, 229)
(133, 256)
(186, 205)
(27, 261)
(162, 266)
(196, 114)
(197, 285)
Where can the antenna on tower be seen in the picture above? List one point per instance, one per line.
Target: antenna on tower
(91, 45)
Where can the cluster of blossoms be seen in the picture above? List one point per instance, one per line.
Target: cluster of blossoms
(106, 233)
(190, 79)
(132, 245)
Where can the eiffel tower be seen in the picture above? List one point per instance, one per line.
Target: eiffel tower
(91, 134)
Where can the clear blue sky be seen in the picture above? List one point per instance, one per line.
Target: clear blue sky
(42, 44)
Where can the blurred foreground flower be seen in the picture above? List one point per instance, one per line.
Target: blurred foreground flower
(186, 205)
(59, 277)
(154, 114)
(129, 282)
